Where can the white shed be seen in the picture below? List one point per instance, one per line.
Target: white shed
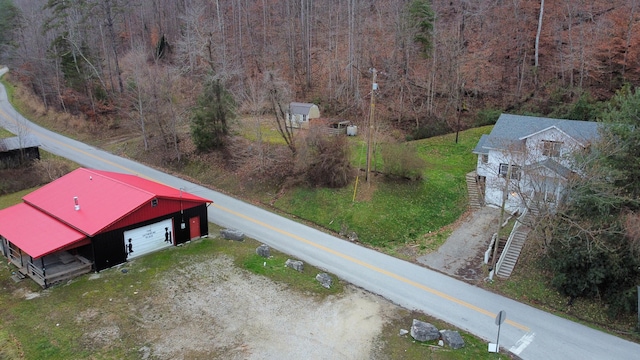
(300, 113)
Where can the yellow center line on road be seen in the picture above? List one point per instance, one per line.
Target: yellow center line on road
(309, 242)
(372, 267)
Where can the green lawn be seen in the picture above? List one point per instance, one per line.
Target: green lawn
(388, 213)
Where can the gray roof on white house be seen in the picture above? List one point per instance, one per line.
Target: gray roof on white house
(480, 147)
(512, 130)
(15, 143)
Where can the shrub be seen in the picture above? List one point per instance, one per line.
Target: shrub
(487, 117)
(429, 130)
(325, 160)
(402, 161)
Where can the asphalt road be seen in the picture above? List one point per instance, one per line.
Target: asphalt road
(527, 332)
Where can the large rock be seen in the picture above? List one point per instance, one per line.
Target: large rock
(422, 331)
(263, 250)
(452, 339)
(295, 264)
(325, 280)
(232, 234)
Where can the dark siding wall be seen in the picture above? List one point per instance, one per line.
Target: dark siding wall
(201, 212)
(14, 158)
(108, 250)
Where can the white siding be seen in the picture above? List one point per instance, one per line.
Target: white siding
(520, 190)
(149, 238)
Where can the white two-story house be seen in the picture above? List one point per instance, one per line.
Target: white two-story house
(526, 160)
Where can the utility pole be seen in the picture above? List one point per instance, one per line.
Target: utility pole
(460, 109)
(374, 87)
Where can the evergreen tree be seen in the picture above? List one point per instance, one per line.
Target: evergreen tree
(215, 108)
(9, 20)
(595, 250)
(421, 17)
(623, 133)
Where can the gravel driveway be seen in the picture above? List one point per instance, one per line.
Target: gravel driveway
(462, 254)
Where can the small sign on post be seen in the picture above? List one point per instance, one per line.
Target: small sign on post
(500, 318)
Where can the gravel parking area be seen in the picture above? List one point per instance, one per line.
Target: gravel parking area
(214, 310)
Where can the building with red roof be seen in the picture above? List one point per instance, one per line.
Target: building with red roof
(92, 220)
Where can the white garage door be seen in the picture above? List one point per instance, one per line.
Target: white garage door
(146, 239)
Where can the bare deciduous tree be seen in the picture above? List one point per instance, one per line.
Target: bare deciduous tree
(137, 89)
(279, 99)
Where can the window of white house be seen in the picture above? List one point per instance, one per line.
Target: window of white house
(551, 148)
(485, 158)
(504, 170)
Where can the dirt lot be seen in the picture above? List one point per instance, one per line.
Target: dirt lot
(213, 309)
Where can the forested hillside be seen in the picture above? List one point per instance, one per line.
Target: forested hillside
(144, 62)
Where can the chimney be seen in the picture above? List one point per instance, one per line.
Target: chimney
(75, 201)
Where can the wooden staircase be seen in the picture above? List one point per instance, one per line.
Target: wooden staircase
(511, 252)
(475, 201)
(509, 258)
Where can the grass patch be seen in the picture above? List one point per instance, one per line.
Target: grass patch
(10, 88)
(18, 102)
(274, 268)
(405, 347)
(14, 198)
(388, 214)
(260, 130)
(505, 231)
(5, 134)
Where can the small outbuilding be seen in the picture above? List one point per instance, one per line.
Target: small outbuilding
(18, 150)
(92, 220)
(300, 113)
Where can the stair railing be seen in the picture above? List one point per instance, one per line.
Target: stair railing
(505, 250)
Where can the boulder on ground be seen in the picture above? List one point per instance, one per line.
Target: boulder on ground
(232, 234)
(325, 280)
(452, 339)
(422, 331)
(263, 250)
(295, 264)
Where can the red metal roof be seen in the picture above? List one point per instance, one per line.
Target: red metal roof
(161, 190)
(34, 232)
(103, 198)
